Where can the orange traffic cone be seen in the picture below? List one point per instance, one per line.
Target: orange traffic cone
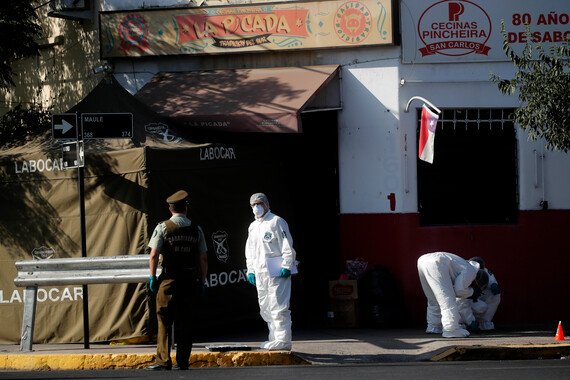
(559, 332)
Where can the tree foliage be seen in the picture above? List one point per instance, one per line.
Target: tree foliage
(19, 30)
(21, 124)
(542, 80)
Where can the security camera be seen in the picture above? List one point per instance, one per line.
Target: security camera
(103, 68)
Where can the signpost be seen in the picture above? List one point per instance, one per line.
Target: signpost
(107, 125)
(64, 126)
(93, 126)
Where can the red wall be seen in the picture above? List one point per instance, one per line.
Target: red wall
(530, 259)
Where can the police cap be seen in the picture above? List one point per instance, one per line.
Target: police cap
(179, 196)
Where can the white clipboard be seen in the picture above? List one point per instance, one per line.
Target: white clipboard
(274, 266)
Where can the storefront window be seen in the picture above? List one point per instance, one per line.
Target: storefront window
(473, 178)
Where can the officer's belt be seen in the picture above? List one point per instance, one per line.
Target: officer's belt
(180, 272)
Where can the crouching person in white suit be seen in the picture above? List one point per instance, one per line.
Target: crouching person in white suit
(477, 312)
(444, 278)
(486, 306)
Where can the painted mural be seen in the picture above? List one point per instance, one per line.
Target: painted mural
(251, 28)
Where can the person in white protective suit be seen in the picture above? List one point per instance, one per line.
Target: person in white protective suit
(270, 259)
(444, 278)
(486, 306)
(468, 307)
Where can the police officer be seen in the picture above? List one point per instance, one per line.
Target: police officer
(182, 246)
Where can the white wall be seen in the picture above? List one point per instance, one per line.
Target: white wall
(544, 175)
(467, 85)
(370, 141)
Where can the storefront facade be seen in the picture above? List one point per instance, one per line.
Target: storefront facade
(357, 188)
(490, 192)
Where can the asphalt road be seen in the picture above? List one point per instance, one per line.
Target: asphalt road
(488, 370)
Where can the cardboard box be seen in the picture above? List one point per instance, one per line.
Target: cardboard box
(343, 290)
(343, 313)
(343, 304)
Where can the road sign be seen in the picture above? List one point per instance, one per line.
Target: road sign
(64, 126)
(72, 154)
(107, 125)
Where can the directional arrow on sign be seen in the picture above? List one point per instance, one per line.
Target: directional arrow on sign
(64, 126)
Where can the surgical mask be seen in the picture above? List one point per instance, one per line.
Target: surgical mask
(258, 210)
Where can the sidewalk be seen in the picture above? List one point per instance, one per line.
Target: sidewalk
(314, 347)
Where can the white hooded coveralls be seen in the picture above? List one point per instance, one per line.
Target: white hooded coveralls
(445, 276)
(269, 236)
(484, 309)
(491, 302)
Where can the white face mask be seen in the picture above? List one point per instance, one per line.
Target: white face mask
(258, 210)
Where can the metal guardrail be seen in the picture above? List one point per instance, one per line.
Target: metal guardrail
(73, 271)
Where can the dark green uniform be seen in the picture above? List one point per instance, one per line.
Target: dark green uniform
(179, 286)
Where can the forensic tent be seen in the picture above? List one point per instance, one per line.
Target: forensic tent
(40, 220)
(126, 183)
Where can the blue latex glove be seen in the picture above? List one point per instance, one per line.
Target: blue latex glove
(495, 289)
(153, 284)
(251, 278)
(284, 272)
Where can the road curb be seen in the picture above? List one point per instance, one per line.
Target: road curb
(52, 362)
(504, 352)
